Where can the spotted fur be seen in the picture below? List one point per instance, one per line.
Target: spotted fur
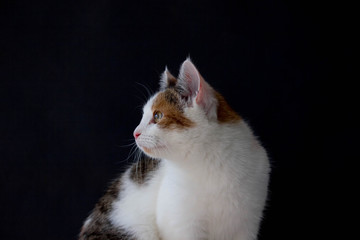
(142, 171)
(169, 103)
(98, 226)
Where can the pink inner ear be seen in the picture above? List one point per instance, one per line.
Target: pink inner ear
(205, 98)
(204, 94)
(196, 87)
(190, 78)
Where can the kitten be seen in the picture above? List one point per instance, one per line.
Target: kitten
(204, 175)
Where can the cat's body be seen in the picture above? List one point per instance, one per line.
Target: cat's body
(211, 181)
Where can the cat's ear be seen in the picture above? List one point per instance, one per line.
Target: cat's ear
(167, 80)
(194, 87)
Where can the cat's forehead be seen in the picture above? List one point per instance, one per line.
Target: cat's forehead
(166, 98)
(170, 104)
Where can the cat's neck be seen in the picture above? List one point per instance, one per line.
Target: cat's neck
(209, 146)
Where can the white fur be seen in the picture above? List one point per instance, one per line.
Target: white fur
(215, 187)
(212, 182)
(135, 208)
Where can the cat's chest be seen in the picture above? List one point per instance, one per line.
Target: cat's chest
(178, 204)
(193, 191)
(194, 199)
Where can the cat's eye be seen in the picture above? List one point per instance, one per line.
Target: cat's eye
(157, 116)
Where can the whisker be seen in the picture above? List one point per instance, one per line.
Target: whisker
(132, 151)
(127, 145)
(147, 89)
(140, 106)
(145, 96)
(143, 99)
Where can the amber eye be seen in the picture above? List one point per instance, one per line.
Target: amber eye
(157, 116)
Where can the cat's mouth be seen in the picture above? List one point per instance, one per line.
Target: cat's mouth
(151, 145)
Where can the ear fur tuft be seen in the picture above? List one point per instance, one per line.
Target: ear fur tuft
(167, 80)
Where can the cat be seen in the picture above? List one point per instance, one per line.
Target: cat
(203, 175)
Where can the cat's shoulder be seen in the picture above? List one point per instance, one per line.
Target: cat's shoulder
(99, 225)
(144, 169)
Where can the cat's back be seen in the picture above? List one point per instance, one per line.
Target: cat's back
(98, 225)
(126, 211)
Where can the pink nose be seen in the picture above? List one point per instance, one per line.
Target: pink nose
(136, 135)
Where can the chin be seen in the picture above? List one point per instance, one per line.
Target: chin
(155, 152)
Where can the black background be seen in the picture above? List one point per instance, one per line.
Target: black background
(72, 76)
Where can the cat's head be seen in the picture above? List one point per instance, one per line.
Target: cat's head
(181, 112)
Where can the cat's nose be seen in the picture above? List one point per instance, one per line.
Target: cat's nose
(136, 134)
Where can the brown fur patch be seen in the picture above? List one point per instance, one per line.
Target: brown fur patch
(171, 80)
(104, 204)
(225, 113)
(141, 171)
(168, 103)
